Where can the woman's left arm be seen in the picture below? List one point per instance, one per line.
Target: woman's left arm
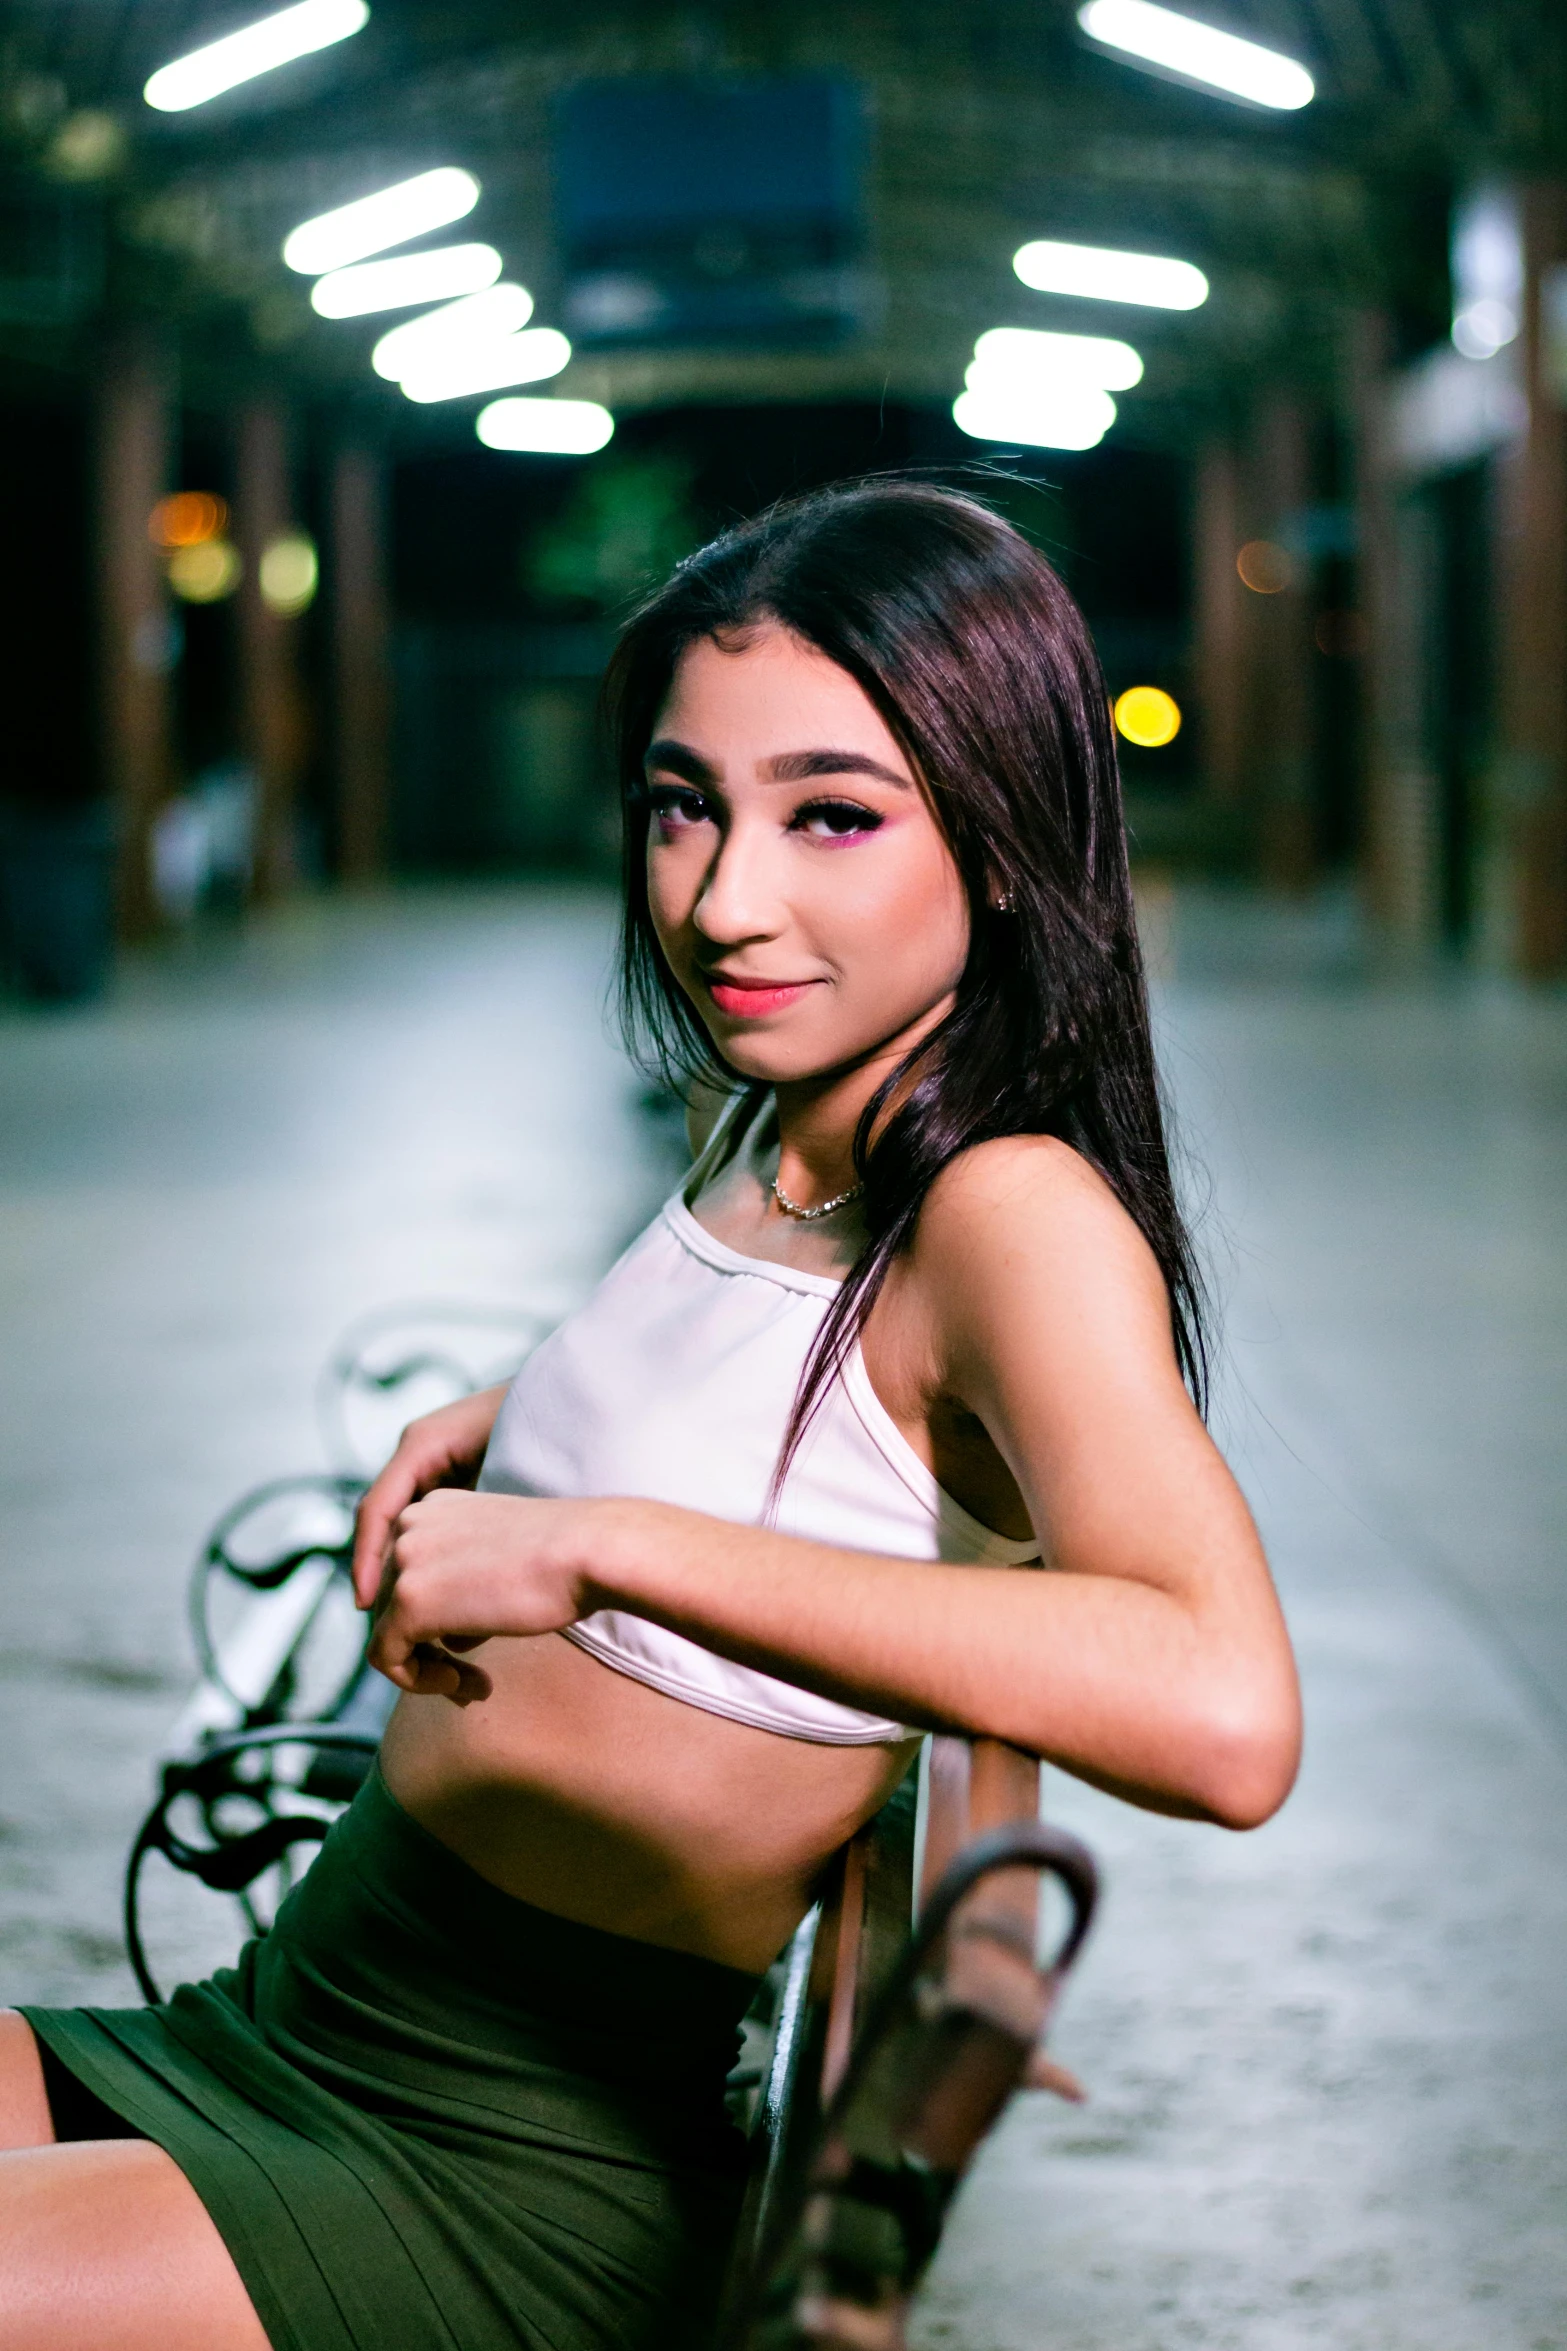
(1152, 1659)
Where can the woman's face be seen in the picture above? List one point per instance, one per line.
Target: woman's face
(802, 893)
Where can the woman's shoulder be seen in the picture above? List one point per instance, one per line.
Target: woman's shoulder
(1020, 1214)
(1012, 1178)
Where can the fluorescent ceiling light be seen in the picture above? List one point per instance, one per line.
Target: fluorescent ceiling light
(390, 217)
(545, 428)
(256, 48)
(438, 276)
(1241, 69)
(1033, 360)
(1100, 274)
(478, 318)
(1069, 416)
(489, 366)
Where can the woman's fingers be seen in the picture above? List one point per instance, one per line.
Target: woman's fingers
(456, 1570)
(428, 1668)
(407, 1643)
(438, 1674)
(443, 1448)
(378, 1514)
(412, 1471)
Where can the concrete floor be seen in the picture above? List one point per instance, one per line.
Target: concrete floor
(201, 1184)
(1327, 2061)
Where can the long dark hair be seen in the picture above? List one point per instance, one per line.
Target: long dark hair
(983, 669)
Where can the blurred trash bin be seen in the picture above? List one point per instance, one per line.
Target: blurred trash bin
(56, 900)
(181, 858)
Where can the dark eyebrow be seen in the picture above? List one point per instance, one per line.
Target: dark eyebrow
(790, 767)
(680, 760)
(796, 767)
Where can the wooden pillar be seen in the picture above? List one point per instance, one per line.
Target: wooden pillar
(1279, 720)
(1526, 910)
(272, 702)
(138, 637)
(361, 637)
(1395, 577)
(1219, 602)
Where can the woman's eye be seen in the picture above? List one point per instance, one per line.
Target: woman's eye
(673, 807)
(835, 820)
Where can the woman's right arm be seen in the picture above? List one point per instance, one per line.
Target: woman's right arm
(444, 1448)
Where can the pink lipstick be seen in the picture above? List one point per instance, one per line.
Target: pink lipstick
(754, 999)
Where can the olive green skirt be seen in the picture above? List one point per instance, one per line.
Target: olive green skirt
(426, 2116)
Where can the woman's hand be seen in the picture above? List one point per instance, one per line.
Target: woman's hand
(463, 1568)
(444, 1448)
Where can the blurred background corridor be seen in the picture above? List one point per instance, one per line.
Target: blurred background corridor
(356, 376)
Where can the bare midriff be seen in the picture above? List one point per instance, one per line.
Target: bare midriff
(594, 1796)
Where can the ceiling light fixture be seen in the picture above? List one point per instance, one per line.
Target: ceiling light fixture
(438, 276)
(1030, 357)
(1100, 274)
(478, 318)
(254, 49)
(545, 428)
(1066, 416)
(373, 223)
(1200, 52)
(484, 366)
(1043, 390)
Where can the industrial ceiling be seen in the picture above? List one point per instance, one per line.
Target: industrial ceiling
(991, 122)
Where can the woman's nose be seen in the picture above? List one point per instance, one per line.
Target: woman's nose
(737, 900)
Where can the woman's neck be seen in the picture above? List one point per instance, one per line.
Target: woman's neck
(819, 1117)
(739, 1207)
(816, 1126)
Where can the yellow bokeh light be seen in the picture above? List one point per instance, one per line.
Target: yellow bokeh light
(206, 572)
(186, 519)
(1148, 716)
(288, 573)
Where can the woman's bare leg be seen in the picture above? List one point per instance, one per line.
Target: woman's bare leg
(25, 2120)
(103, 2242)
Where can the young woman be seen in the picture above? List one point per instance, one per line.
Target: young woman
(885, 1423)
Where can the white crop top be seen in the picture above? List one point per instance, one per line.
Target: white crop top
(674, 1382)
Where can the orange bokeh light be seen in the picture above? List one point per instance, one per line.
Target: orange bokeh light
(1265, 567)
(188, 519)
